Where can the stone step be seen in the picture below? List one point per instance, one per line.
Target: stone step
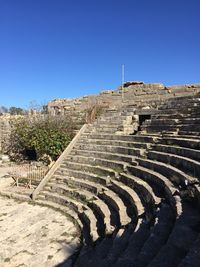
(181, 239)
(63, 189)
(179, 103)
(130, 195)
(157, 136)
(111, 149)
(114, 143)
(85, 213)
(119, 244)
(104, 155)
(99, 170)
(184, 122)
(192, 115)
(113, 118)
(172, 174)
(161, 122)
(184, 152)
(107, 252)
(113, 164)
(103, 125)
(193, 256)
(190, 128)
(127, 114)
(181, 142)
(189, 166)
(108, 117)
(135, 243)
(158, 236)
(117, 204)
(159, 128)
(128, 138)
(78, 182)
(190, 120)
(144, 191)
(112, 121)
(187, 136)
(190, 133)
(161, 186)
(104, 212)
(113, 201)
(197, 193)
(102, 180)
(177, 106)
(88, 217)
(183, 110)
(93, 256)
(101, 129)
(177, 115)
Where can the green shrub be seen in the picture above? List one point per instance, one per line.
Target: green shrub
(43, 135)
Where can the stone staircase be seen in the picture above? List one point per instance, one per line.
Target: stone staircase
(133, 190)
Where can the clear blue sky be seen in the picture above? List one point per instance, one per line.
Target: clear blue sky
(68, 48)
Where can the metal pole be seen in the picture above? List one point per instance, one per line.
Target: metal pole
(123, 82)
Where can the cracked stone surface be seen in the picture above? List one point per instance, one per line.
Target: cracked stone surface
(32, 235)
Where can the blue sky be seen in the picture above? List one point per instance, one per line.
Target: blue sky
(69, 48)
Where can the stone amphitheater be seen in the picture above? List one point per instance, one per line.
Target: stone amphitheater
(129, 181)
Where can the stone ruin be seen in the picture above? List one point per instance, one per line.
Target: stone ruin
(139, 93)
(129, 181)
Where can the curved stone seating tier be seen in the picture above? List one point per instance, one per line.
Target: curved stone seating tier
(192, 258)
(98, 170)
(178, 116)
(171, 176)
(184, 152)
(182, 110)
(181, 122)
(130, 196)
(181, 142)
(187, 135)
(119, 143)
(182, 237)
(144, 191)
(85, 214)
(151, 246)
(113, 164)
(160, 184)
(128, 138)
(192, 133)
(189, 166)
(179, 106)
(112, 149)
(99, 193)
(104, 155)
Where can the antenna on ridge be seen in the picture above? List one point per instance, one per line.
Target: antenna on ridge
(122, 82)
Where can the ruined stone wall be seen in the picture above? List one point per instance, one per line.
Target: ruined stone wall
(133, 93)
(4, 130)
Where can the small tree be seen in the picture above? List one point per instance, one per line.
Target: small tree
(41, 135)
(3, 109)
(16, 111)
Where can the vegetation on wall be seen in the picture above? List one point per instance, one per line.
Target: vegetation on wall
(35, 138)
(93, 112)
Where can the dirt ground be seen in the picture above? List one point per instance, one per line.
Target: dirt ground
(33, 235)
